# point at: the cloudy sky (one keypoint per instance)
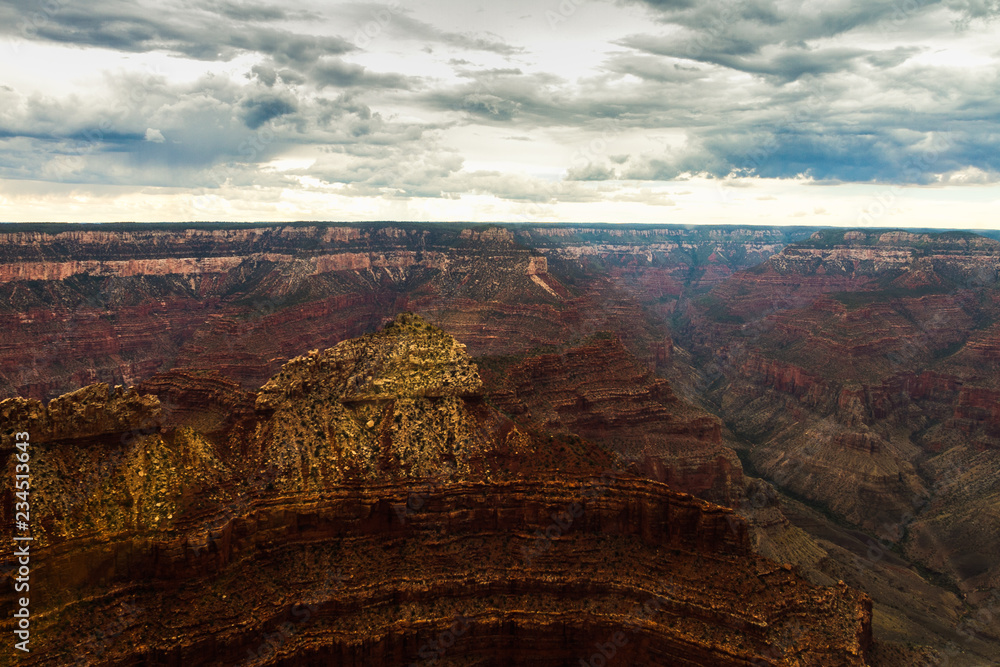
(825, 112)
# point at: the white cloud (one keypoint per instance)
(477, 111)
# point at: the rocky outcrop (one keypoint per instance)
(880, 267)
(599, 392)
(374, 509)
(121, 308)
(497, 235)
(97, 410)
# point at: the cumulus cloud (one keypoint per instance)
(592, 171)
(489, 105)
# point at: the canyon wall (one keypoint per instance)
(372, 509)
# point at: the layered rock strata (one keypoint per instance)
(124, 302)
(598, 391)
(855, 372)
(373, 509)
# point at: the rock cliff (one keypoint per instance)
(373, 509)
(122, 303)
(598, 391)
(856, 373)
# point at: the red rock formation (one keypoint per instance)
(334, 546)
(599, 392)
(858, 371)
(786, 378)
(125, 302)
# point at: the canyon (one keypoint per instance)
(372, 508)
(837, 389)
(98, 306)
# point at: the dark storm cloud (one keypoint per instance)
(591, 172)
(718, 31)
(288, 48)
(848, 133)
(836, 127)
(830, 151)
(335, 72)
(971, 10)
(189, 31)
(88, 134)
(749, 25)
(259, 110)
(786, 65)
(485, 104)
(210, 132)
(253, 11)
(265, 74)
